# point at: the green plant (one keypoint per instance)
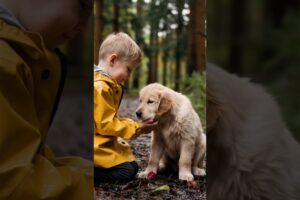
(195, 88)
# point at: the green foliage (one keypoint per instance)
(195, 88)
(283, 64)
(144, 19)
(267, 50)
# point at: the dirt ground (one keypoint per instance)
(144, 189)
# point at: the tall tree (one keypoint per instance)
(196, 56)
(179, 43)
(152, 65)
(237, 35)
(98, 28)
(138, 28)
(165, 57)
(115, 20)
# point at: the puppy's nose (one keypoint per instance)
(138, 114)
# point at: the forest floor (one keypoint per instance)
(139, 189)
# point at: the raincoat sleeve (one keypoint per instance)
(27, 168)
(107, 122)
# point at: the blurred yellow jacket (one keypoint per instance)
(31, 79)
(109, 129)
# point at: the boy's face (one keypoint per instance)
(120, 70)
(58, 20)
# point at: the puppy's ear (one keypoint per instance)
(165, 104)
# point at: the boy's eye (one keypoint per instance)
(150, 102)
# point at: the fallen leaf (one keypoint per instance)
(192, 184)
(163, 188)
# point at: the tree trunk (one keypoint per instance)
(155, 58)
(179, 5)
(139, 40)
(237, 34)
(191, 50)
(115, 20)
(98, 28)
(152, 66)
(201, 34)
(165, 62)
(152, 73)
(196, 56)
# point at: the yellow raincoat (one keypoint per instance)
(30, 78)
(109, 149)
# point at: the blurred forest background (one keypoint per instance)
(260, 39)
(172, 37)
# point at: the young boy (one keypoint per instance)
(31, 80)
(114, 161)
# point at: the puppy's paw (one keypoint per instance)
(186, 176)
(198, 171)
(161, 166)
(148, 174)
(143, 174)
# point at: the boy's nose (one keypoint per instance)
(138, 114)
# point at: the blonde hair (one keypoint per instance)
(122, 45)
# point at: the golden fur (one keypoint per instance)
(179, 137)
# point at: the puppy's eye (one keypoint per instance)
(150, 101)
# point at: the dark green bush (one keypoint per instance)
(195, 88)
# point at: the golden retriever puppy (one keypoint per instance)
(179, 137)
(251, 153)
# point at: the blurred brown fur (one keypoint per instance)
(251, 154)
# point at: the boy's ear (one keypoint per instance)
(112, 59)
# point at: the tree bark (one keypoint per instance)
(165, 62)
(179, 5)
(98, 28)
(115, 20)
(196, 50)
(152, 73)
(237, 34)
(152, 66)
(139, 39)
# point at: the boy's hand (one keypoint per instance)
(148, 126)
